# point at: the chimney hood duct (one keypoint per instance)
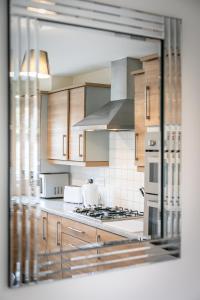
(117, 114)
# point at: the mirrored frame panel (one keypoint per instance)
(114, 118)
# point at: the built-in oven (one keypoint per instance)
(152, 226)
(152, 221)
(171, 193)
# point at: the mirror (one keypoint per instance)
(95, 151)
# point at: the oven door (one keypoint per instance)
(152, 226)
(152, 172)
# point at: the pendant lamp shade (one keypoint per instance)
(43, 65)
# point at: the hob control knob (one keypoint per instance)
(151, 143)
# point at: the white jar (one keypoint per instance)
(90, 193)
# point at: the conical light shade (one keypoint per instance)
(43, 68)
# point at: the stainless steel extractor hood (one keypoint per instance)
(118, 114)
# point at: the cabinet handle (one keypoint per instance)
(147, 102)
(98, 241)
(58, 234)
(79, 145)
(136, 138)
(76, 230)
(64, 145)
(98, 238)
(44, 228)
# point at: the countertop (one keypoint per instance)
(131, 229)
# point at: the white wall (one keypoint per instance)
(98, 76)
(179, 280)
(119, 183)
(56, 82)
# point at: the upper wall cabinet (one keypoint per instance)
(77, 113)
(139, 83)
(147, 103)
(58, 115)
(151, 66)
(68, 144)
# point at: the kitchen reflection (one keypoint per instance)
(99, 155)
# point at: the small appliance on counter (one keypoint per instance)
(52, 185)
(73, 194)
(90, 193)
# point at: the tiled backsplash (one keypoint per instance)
(120, 182)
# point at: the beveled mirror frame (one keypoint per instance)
(98, 15)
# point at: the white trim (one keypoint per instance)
(95, 15)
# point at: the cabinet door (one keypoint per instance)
(58, 109)
(104, 257)
(117, 256)
(54, 246)
(139, 97)
(42, 242)
(72, 266)
(79, 230)
(77, 113)
(152, 92)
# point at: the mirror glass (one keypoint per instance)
(87, 157)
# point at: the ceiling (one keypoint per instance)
(75, 50)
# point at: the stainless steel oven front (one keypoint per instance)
(152, 223)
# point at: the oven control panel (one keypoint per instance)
(152, 141)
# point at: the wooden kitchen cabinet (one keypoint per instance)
(48, 245)
(147, 103)
(28, 229)
(54, 245)
(106, 254)
(64, 242)
(58, 111)
(139, 84)
(76, 136)
(117, 255)
(79, 230)
(42, 230)
(74, 236)
(42, 237)
(70, 145)
(70, 243)
(151, 66)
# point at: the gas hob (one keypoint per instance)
(108, 213)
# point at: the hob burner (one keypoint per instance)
(108, 213)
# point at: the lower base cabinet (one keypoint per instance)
(108, 254)
(54, 246)
(117, 256)
(76, 235)
(67, 256)
(75, 260)
(64, 247)
(42, 243)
